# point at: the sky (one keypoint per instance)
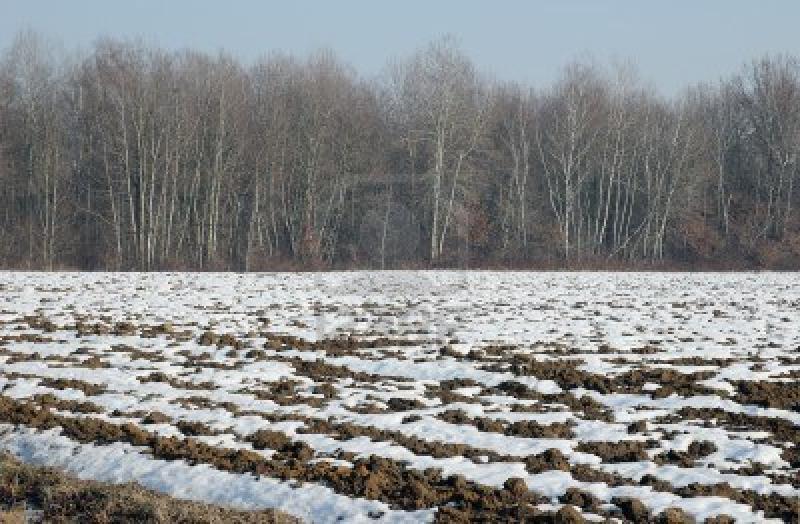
(673, 43)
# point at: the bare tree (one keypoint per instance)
(132, 157)
(445, 100)
(569, 131)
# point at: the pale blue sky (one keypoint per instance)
(674, 43)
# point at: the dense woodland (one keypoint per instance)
(130, 157)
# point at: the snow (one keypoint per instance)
(735, 316)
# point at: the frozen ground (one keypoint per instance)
(411, 396)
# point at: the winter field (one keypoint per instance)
(415, 396)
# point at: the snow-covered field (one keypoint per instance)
(411, 396)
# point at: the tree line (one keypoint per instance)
(131, 157)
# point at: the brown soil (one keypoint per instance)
(632, 509)
(622, 451)
(566, 375)
(198, 402)
(674, 516)
(782, 395)
(286, 447)
(694, 361)
(686, 459)
(51, 401)
(138, 354)
(319, 370)
(26, 337)
(334, 347)
(522, 428)
(156, 417)
(209, 338)
(444, 392)
(283, 394)
(87, 388)
(326, 389)
(523, 513)
(92, 362)
(194, 429)
(586, 405)
(404, 404)
(205, 360)
(581, 499)
(158, 376)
